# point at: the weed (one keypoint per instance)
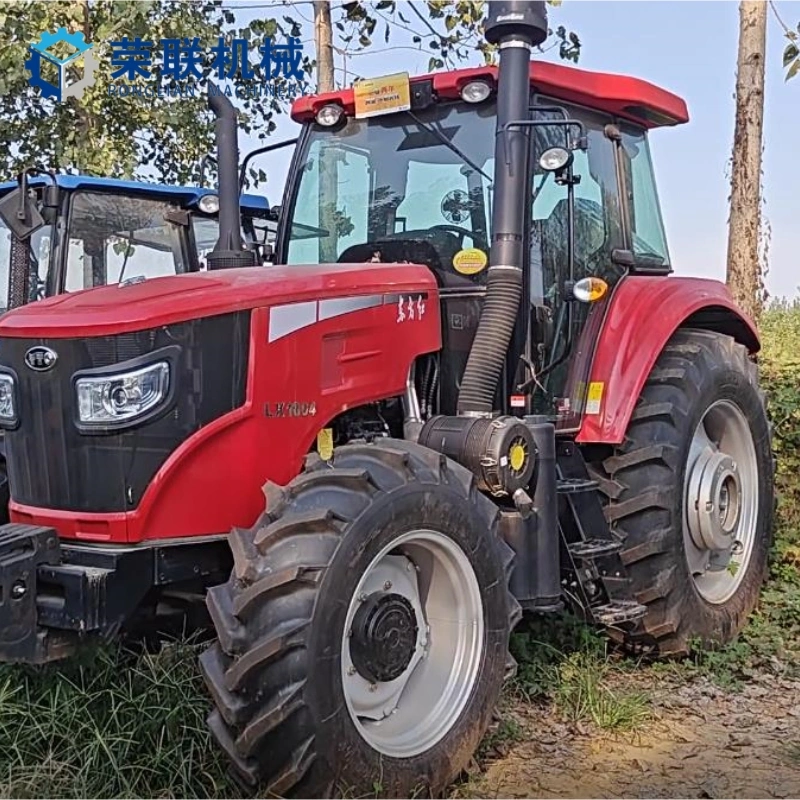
(583, 695)
(503, 735)
(109, 724)
(539, 644)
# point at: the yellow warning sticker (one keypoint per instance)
(594, 397)
(325, 444)
(470, 261)
(383, 95)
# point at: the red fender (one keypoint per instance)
(643, 314)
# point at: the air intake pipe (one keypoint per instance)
(228, 252)
(516, 26)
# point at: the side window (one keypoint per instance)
(332, 204)
(206, 233)
(115, 237)
(646, 223)
(41, 242)
(39, 253)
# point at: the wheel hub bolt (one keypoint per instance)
(387, 586)
(351, 670)
(18, 590)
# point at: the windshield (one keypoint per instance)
(392, 189)
(36, 251)
(118, 237)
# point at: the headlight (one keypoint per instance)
(8, 409)
(106, 400)
(209, 203)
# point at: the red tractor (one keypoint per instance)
(469, 388)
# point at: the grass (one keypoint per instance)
(115, 724)
(564, 662)
(582, 694)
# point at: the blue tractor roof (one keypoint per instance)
(184, 195)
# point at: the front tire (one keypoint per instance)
(690, 492)
(363, 634)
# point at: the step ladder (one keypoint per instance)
(595, 578)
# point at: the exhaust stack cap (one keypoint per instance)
(521, 18)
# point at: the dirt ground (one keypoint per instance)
(700, 742)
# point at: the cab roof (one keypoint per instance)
(184, 195)
(629, 98)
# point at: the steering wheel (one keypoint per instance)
(462, 233)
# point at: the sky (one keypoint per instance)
(688, 47)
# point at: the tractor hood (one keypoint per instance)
(155, 302)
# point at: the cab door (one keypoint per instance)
(557, 348)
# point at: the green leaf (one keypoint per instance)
(793, 69)
(790, 54)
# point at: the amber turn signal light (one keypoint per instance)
(590, 290)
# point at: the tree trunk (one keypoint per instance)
(744, 276)
(323, 41)
(328, 166)
(81, 155)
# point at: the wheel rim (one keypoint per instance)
(412, 644)
(721, 502)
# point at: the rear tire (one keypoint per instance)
(703, 386)
(280, 673)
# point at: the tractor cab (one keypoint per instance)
(414, 182)
(75, 232)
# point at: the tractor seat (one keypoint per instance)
(393, 251)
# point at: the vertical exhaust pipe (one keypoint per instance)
(228, 252)
(516, 26)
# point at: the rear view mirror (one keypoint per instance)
(20, 214)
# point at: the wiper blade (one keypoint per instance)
(447, 143)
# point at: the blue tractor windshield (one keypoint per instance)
(119, 230)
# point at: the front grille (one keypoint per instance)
(51, 464)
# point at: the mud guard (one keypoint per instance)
(642, 315)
